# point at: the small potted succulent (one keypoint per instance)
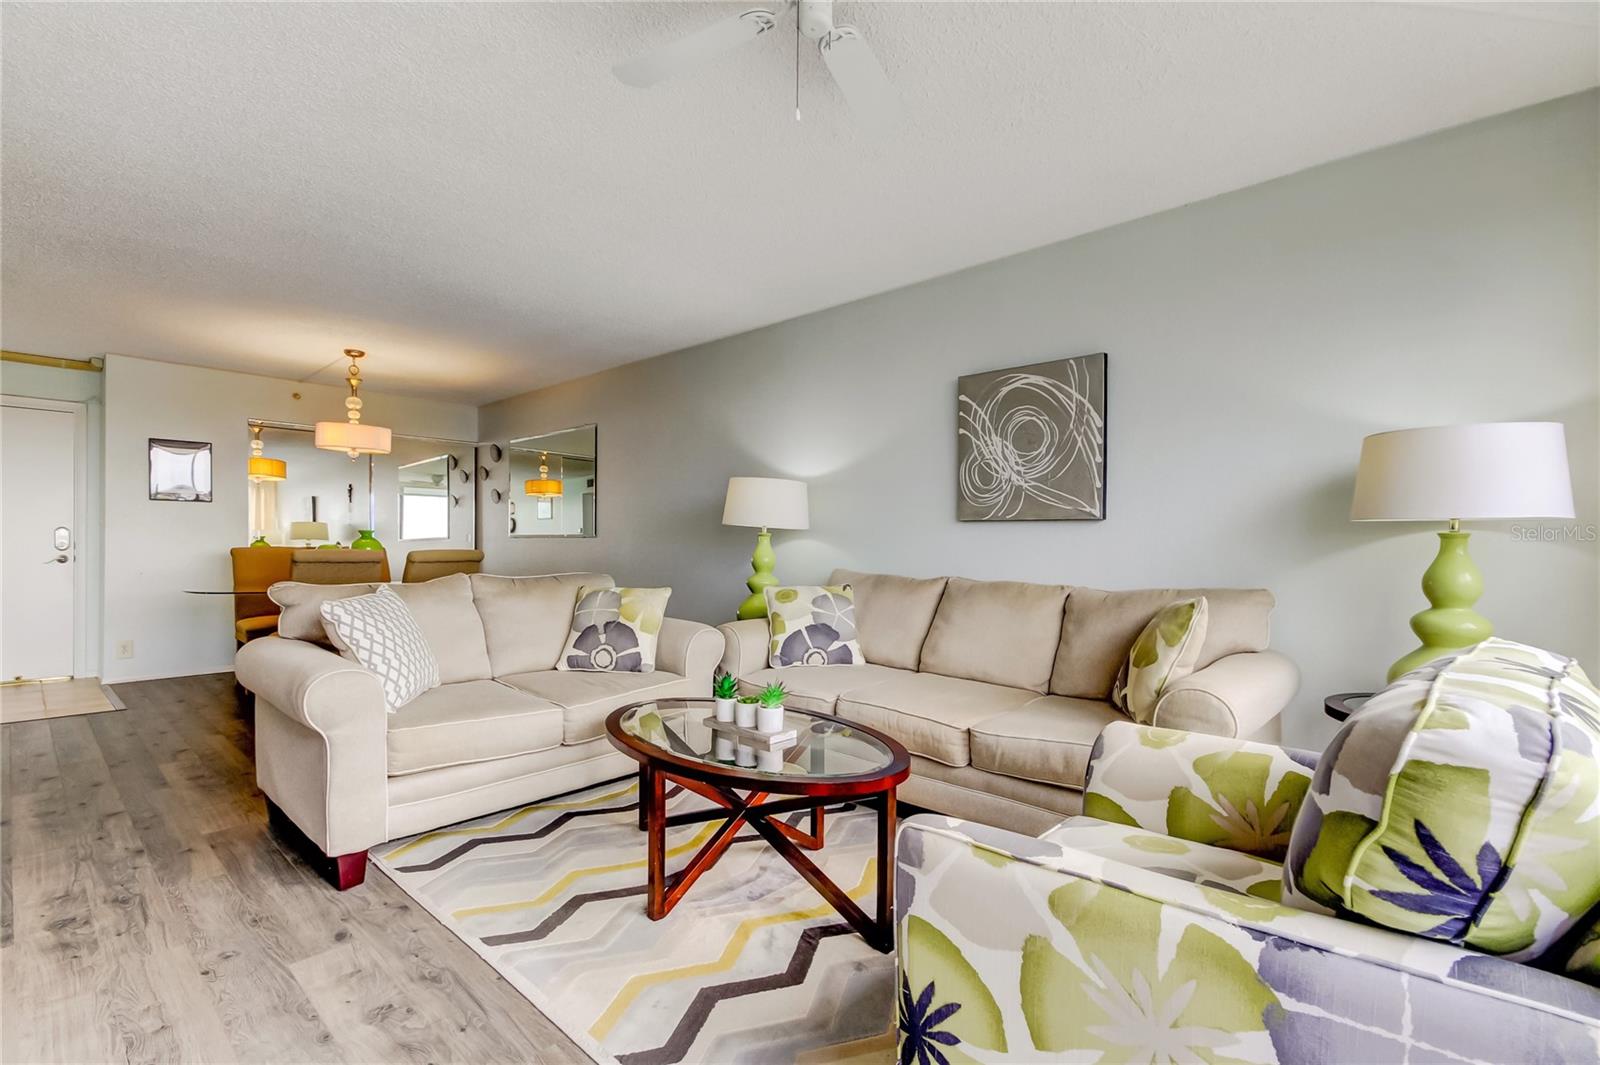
(725, 689)
(744, 711)
(769, 715)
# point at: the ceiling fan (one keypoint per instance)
(855, 69)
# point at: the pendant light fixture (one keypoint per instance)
(351, 436)
(262, 468)
(544, 486)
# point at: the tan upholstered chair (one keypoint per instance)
(426, 565)
(255, 569)
(321, 565)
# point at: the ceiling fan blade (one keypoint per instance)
(866, 88)
(689, 52)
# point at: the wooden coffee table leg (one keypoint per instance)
(655, 799)
(887, 816)
(645, 773)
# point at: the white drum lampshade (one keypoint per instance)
(766, 503)
(1494, 470)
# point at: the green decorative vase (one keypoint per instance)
(366, 541)
(260, 541)
(762, 562)
(1452, 585)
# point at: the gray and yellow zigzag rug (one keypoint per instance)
(752, 965)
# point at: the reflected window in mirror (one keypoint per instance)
(552, 484)
(425, 499)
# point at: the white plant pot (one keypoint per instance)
(744, 715)
(746, 755)
(725, 709)
(769, 718)
(722, 749)
(769, 761)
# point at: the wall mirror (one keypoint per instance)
(408, 498)
(180, 470)
(551, 484)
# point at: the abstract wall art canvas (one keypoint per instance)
(1031, 442)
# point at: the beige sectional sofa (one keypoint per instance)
(504, 727)
(999, 688)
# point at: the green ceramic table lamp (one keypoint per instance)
(1455, 473)
(764, 503)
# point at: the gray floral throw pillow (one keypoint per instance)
(813, 625)
(614, 630)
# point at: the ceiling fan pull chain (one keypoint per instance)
(797, 66)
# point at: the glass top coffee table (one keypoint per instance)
(830, 761)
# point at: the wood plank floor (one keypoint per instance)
(149, 916)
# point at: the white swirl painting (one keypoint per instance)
(1031, 442)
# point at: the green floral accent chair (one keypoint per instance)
(1150, 929)
(1462, 804)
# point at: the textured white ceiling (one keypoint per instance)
(467, 192)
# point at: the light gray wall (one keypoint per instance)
(1254, 339)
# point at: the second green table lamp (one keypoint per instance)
(1455, 473)
(764, 503)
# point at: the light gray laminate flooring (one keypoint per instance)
(149, 916)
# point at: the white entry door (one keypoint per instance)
(38, 543)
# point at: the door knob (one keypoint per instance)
(58, 558)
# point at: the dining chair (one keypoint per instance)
(314, 565)
(255, 569)
(426, 565)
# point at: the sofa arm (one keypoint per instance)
(1234, 696)
(747, 646)
(690, 649)
(1013, 948)
(1207, 789)
(321, 741)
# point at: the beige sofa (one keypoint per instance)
(504, 727)
(999, 688)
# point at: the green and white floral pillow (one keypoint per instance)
(1166, 651)
(812, 625)
(614, 630)
(1461, 803)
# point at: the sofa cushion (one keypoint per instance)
(526, 619)
(1198, 863)
(300, 607)
(1098, 629)
(1047, 739)
(892, 614)
(449, 621)
(930, 713)
(586, 698)
(817, 688)
(1002, 632)
(471, 721)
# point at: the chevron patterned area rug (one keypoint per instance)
(751, 966)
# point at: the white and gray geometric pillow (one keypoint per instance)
(379, 632)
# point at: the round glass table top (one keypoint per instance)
(824, 747)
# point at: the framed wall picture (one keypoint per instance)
(1031, 442)
(180, 471)
(544, 509)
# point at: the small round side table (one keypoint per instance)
(1341, 706)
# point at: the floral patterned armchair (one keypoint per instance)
(1150, 930)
